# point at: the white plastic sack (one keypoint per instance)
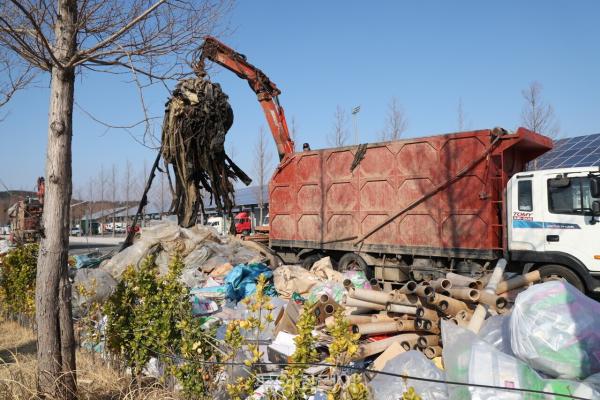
(97, 283)
(162, 232)
(471, 360)
(556, 329)
(197, 257)
(412, 363)
(133, 255)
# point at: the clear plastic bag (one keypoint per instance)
(412, 363)
(471, 360)
(555, 328)
(98, 285)
(132, 255)
(496, 331)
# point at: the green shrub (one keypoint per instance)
(17, 281)
(151, 316)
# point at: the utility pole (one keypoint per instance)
(355, 111)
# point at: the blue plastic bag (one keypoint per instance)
(241, 280)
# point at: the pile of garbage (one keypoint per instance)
(208, 258)
(523, 340)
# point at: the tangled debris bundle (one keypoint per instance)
(197, 117)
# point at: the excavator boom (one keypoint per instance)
(266, 91)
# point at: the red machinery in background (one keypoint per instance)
(26, 216)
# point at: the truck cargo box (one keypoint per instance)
(430, 196)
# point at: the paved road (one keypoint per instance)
(82, 245)
(85, 244)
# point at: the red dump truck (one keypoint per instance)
(418, 208)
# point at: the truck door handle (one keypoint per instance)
(552, 238)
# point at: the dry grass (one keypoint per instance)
(96, 380)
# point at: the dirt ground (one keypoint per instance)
(96, 380)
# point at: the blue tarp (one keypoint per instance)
(241, 280)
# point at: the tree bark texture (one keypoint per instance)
(56, 346)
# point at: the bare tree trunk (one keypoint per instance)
(114, 199)
(55, 337)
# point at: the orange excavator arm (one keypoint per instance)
(266, 91)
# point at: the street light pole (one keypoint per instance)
(355, 111)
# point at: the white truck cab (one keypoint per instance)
(553, 224)
(218, 223)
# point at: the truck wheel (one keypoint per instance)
(308, 262)
(354, 262)
(558, 272)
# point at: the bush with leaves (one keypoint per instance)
(17, 281)
(242, 337)
(151, 316)
(341, 351)
(295, 386)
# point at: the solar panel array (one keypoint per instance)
(580, 151)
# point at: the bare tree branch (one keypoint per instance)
(460, 115)
(395, 122)
(12, 83)
(262, 168)
(537, 115)
(85, 54)
(339, 132)
(40, 35)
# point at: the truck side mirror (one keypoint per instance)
(596, 208)
(595, 187)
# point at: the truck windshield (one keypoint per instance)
(576, 198)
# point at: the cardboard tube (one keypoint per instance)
(464, 294)
(402, 309)
(424, 291)
(352, 319)
(518, 281)
(428, 340)
(432, 352)
(347, 284)
(481, 310)
(409, 344)
(329, 309)
(427, 313)
(351, 302)
(440, 284)
(408, 325)
(492, 300)
(368, 349)
(375, 284)
(464, 315)
(461, 280)
(371, 296)
(324, 298)
(408, 288)
(406, 299)
(448, 305)
(383, 316)
(373, 328)
(427, 325)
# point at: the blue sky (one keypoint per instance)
(321, 54)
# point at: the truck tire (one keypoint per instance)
(354, 262)
(553, 272)
(308, 262)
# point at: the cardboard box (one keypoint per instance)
(288, 318)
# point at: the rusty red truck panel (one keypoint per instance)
(434, 196)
